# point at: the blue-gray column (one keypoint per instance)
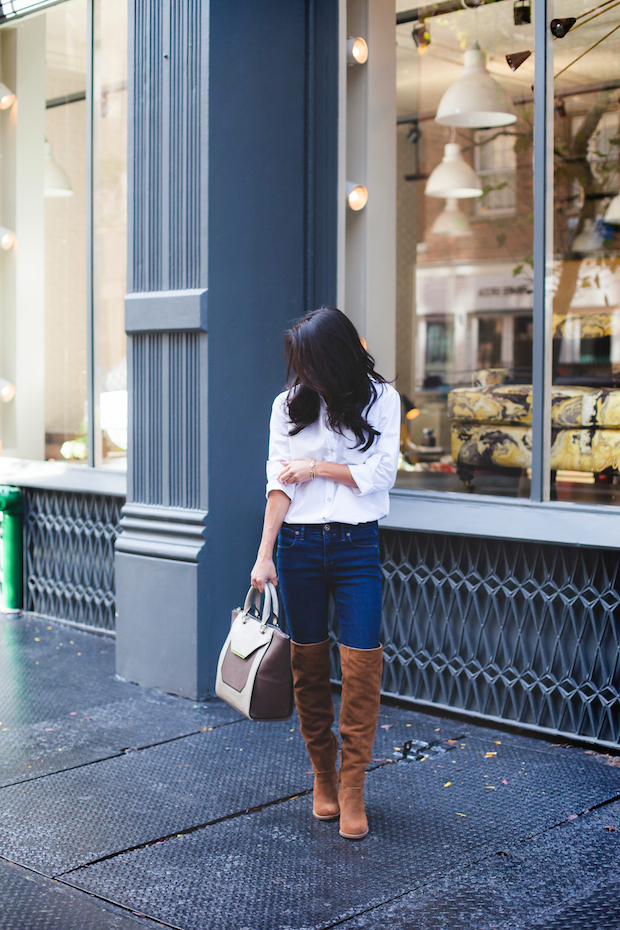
(232, 234)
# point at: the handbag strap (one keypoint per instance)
(270, 603)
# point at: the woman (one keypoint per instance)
(333, 454)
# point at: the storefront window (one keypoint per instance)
(585, 412)
(64, 203)
(464, 252)
(47, 294)
(110, 230)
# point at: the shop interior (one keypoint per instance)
(464, 81)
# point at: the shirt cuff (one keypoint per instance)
(362, 475)
(274, 485)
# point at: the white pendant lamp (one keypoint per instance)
(56, 182)
(476, 100)
(589, 239)
(612, 214)
(451, 222)
(453, 177)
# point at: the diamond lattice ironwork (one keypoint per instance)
(522, 631)
(69, 554)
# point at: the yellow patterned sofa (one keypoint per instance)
(491, 428)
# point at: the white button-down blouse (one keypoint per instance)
(374, 471)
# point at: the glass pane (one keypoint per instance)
(110, 232)
(65, 232)
(43, 259)
(585, 453)
(464, 254)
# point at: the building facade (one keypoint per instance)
(180, 181)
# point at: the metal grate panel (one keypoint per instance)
(69, 556)
(526, 632)
(298, 873)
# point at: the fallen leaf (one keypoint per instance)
(387, 726)
(437, 729)
(447, 784)
(488, 755)
(498, 742)
(49, 628)
(37, 640)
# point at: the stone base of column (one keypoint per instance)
(160, 594)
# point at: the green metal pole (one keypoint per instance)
(12, 549)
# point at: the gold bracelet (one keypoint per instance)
(312, 469)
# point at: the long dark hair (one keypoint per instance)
(325, 357)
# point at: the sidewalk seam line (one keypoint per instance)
(84, 891)
(185, 832)
(115, 755)
(474, 862)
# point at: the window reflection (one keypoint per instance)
(585, 453)
(464, 263)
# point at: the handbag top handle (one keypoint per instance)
(270, 603)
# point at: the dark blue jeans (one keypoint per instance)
(342, 558)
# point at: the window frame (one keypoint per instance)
(525, 519)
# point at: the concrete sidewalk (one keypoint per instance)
(121, 808)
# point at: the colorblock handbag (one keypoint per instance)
(254, 668)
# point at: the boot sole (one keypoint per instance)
(326, 816)
(353, 836)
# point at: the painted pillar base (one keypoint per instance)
(160, 585)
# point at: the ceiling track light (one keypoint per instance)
(475, 100)
(561, 27)
(357, 196)
(516, 59)
(421, 36)
(357, 51)
(522, 12)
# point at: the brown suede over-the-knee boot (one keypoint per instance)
(359, 711)
(313, 699)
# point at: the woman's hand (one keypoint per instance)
(295, 472)
(264, 570)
